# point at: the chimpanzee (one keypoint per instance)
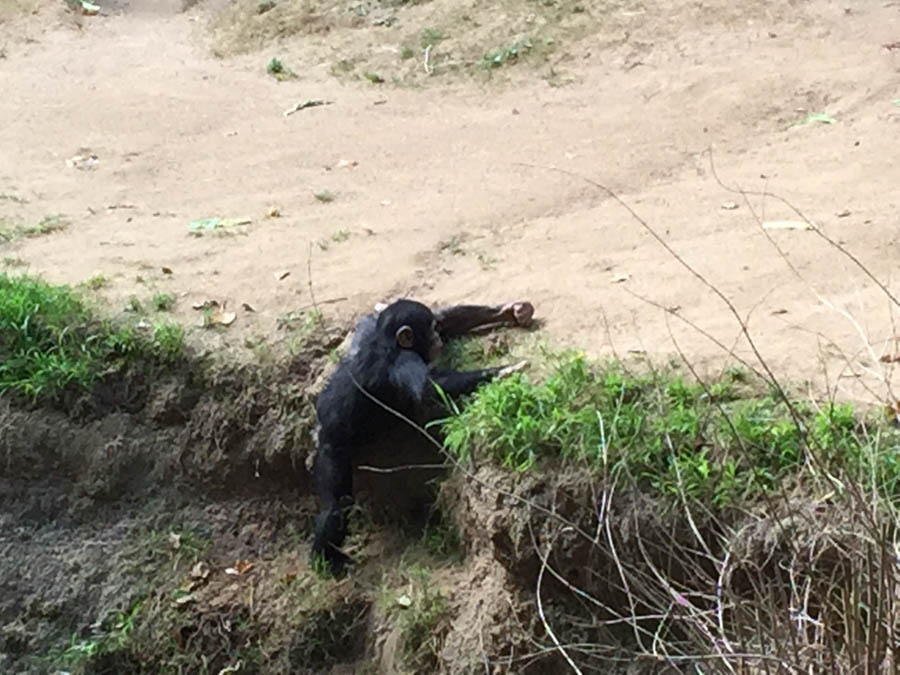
(389, 358)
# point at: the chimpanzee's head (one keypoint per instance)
(410, 325)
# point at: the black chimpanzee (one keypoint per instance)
(389, 358)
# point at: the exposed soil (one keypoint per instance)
(443, 189)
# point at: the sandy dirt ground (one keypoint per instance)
(441, 203)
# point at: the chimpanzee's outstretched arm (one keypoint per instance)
(459, 383)
(460, 319)
(333, 476)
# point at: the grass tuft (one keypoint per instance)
(724, 443)
(50, 341)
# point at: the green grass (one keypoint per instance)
(419, 623)
(279, 71)
(505, 55)
(96, 282)
(724, 445)
(50, 341)
(10, 231)
(163, 302)
(108, 637)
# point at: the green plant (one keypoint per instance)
(325, 196)
(163, 302)
(505, 55)
(96, 282)
(419, 623)
(51, 341)
(278, 70)
(675, 437)
(47, 225)
(431, 37)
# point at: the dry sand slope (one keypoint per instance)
(439, 204)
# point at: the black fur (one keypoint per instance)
(397, 377)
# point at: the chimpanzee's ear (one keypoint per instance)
(405, 337)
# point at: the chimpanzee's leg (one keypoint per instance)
(333, 475)
(460, 319)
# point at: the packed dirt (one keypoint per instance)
(430, 195)
(447, 181)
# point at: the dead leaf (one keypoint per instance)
(779, 311)
(240, 567)
(166, 270)
(184, 599)
(620, 279)
(890, 358)
(206, 304)
(280, 276)
(346, 164)
(404, 601)
(844, 213)
(200, 570)
(273, 212)
(247, 307)
(730, 206)
(175, 540)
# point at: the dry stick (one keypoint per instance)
(540, 605)
(402, 467)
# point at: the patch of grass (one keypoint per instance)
(279, 71)
(505, 55)
(163, 302)
(325, 196)
(12, 261)
(96, 282)
(134, 305)
(15, 199)
(303, 323)
(48, 225)
(336, 237)
(671, 435)
(431, 37)
(407, 52)
(452, 246)
(419, 623)
(108, 637)
(50, 341)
